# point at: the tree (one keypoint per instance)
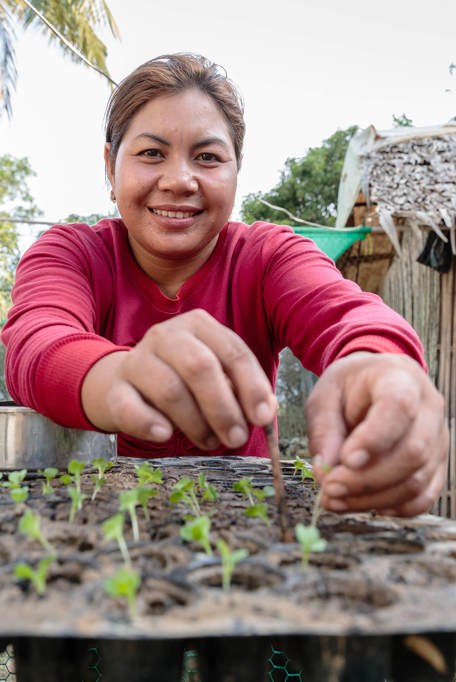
(308, 186)
(402, 121)
(70, 23)
(17, 203)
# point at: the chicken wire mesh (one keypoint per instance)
(282, 668)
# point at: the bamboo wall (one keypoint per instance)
(426, 299)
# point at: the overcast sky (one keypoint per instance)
(304, 67)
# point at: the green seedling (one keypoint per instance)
(19, 495)
(128, 499)
(29, 524)
(98, 479)
(75, 468)
(310, 541)
(36, 576)
(124, 583)
(15, 479)
(198, 530)
(300, 465)
(184, 491)
(257, 509)
(147, 474)
(113, 530)
(208, 491)
(77, 498)
(229, 561)
(49, 473)
(143, 498)
(98, 483)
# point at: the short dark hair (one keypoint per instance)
(169, 75)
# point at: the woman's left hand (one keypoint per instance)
(378, 421)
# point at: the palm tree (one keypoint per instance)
(71, 23)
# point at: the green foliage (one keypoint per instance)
(77, 22)
(29, 524)
(113, 530)
(402, 121)
(255, 509)
(98, 479)
(229, 561)
(15, 479)
(19, 495)
(147, 474)
(77, 498)
(36, 576)
(308, 186)
(310, 541)
(208, 491)
(143, 497)
(300, 465)
(197, 530)
(49, 473)
(128, 499)
(184, 491)
(125, 583)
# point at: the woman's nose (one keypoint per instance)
(177, 177)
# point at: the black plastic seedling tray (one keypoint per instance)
(378, 604)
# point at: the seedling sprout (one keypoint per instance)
(229, 561)
(113, 530)
(198, 530)
(29, 524)
(124, 583)
(207, 489)
(49, 473)
(15, 479)
(128, 499)
(147, 474)
(77, 498)
(300, 465)
(36, 576)
(19, 495)
(310, 541)
(143, 497)
(184, 491)
(257, 509)
(98, 479)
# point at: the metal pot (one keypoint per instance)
(30, 441)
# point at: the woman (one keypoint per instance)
(165, 325)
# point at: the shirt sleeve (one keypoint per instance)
(52, 334)
(320, 315)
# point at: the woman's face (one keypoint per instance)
(174, 178)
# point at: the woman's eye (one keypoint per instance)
(208, 156)
(151, 153)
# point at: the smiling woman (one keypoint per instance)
(166, 325)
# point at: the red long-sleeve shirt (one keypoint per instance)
(80, 295)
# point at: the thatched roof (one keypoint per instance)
(408, 173)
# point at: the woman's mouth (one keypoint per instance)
(174, 214)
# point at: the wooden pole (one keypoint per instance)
(280, 496)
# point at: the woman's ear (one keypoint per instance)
(109, 163)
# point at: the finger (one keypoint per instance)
(385, 422)
(250, 383)
(326, 428)
(170, 394)
(423, 502)
(392, 497)
(134, 416)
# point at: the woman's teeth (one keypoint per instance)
(174, 214)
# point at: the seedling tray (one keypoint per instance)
(369, 606)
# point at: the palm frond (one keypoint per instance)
(71, 24)
(8, 72)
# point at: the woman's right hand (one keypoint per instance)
(189, 372)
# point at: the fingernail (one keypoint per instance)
(337, 505)
(264, 412)
(357, 459)
(160, 433)
(237, 436)
(336, 490)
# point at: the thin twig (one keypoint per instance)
(287, 535)
(66, 42)
(290, 215)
